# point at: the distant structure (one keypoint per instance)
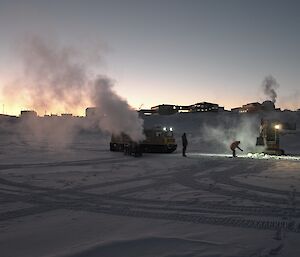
(5, 117)
(204, 107)
(266, 106)
(165, 109)
(28, 114)
(170, 109)
(94, 113)
(146, 112)
(236, 110)
(183, 108)
(6, 122)
(251, 108)
(91, 112)
(67, 115)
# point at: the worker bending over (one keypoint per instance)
(233, 146)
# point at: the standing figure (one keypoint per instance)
(233, 146)
(184, 144)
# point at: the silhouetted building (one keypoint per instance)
(94, 113)
(169, 109)
(146, 112)
(5, 117)
(255, 107)
(164, 109)
(204, 107)
(268, 106)
(28, 114)
(183, 108)
(66, 115)
(236, 110)
(91, 111)
(251, 107)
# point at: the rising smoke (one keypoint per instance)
(114, 113)
(52, 77)
(209, 132)
(56, 78)
(223, 134)
(269, 86)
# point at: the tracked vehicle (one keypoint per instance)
(157, 140)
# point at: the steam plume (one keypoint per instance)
(221, 135)
(56, 78)
(269, 87)
(53, 78)
(114, 113)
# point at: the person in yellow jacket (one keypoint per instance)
(233, 146)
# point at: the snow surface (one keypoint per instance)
(84, 200)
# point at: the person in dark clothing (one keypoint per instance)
(184, 144)
(233, 146)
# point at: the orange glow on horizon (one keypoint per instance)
(14, 103)
(15, 110)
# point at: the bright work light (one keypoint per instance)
(277, 126)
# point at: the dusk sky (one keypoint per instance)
(177, 52)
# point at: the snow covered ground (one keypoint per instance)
(83, 200)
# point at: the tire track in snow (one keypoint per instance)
(236, 189)
(117, 204)
(133, 211)
(65, 163)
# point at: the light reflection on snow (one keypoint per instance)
(274, 157)
(210, 154)
(251, 156)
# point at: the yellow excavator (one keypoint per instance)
(269, 136)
